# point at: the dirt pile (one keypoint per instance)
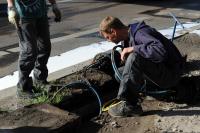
(189, 45)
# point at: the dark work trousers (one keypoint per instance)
(137, 69)
(35, 48)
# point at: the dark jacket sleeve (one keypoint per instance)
(149, 47)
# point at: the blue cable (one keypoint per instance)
(82, 83)
(113, 62)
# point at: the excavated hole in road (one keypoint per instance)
(82, 101)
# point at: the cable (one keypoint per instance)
(84, 84)
(113, 62)
(93, 89)
(119, 76)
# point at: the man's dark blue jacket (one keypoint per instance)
(152, 45)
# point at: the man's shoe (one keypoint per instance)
(26, 94)
(124, 109)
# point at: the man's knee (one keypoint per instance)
(131, 59)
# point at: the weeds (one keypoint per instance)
(50, 96)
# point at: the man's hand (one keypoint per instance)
(126, 52)
(13, 16)
(57, 13)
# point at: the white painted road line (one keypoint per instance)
(13, 49)
(63, 1)
(3, 53)
(168, 32)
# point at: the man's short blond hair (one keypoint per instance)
(110, 22)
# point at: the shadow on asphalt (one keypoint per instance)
(3, 10)
(8, 59)
(72, 12)
(184, 4)
(163, 4)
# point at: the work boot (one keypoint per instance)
(26, 94)
(124, 109)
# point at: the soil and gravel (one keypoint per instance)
(161, 114)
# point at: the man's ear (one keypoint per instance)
(113, 31)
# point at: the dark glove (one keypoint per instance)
(56, 12)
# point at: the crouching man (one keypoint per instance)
(148, 55)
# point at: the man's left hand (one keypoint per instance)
(126, 52)
(57, 13)
(13, 17)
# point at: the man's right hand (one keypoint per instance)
(126, 52)
(13, 16)
(57, 12)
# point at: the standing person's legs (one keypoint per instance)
(43, 53)
(27, 56)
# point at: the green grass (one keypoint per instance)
(53, 97)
